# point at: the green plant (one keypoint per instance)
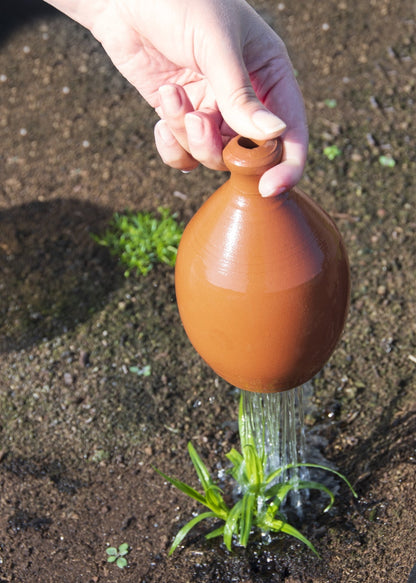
(332, 152)
(331, 103)
(144, 371)
(262, 497)
(118, 556)
(140, 240)
(387, 161)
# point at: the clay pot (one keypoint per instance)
(262, 284)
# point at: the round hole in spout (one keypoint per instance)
(247, 143)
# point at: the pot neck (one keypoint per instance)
(247, 161)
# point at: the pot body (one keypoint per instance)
(262, 286)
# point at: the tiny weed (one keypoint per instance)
(331, 103)
(118, 556)
(332, 152)
(262, 496)
(144, 371)
(387, 161)
(140, 240)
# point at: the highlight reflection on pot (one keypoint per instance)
(262, 284)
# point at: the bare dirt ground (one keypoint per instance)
(79, 432)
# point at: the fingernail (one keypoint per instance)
(270, 190)
(268, 123)
(194, 127)
(165, 134)
(170, 100)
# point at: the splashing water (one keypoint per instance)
(277, 424)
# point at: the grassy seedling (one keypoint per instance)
(118, 556)
(140, 239)
(262, 498)
(332, 152)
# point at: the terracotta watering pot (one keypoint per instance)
(262, 284)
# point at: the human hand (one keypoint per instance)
(210, 68)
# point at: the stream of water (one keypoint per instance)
(277, 423)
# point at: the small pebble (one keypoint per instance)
(325, 26)
(68, 378)
(85, 144)
(23, 131)
(3, 78)
(84, 358)
(65, 90)
(26, 49)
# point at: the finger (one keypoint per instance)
(174, 105)
(287, 174)
(204, 139)
(170, 150)
(237, 99)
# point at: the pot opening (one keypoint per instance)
(247, 143)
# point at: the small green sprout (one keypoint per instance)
(118, 556)
(262, 496)
(144, 371)
(387, 161)
(332, 152)
(140, 240)
(331, 103)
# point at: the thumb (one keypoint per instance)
(238, 102)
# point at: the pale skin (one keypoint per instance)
(211, 69)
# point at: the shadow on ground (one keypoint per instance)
(53, 275)
(14, 13)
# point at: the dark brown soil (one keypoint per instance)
(79, 432)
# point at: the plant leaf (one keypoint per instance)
(254, 465)
(201, 469)
(121, 562)
(292, 531)
(231, 524)
(280, 491)
(184, 488)
(188, 526)
(111, 559)
(217, 532)
(123, 549)
(238, 470)
(303, 484)
(112, 551)
(326, 469)
(281, 526)
(246, 521)
(273, 475)
(216, 502)
(246, 435)
(235, 457)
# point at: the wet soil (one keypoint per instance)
(79, 432)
